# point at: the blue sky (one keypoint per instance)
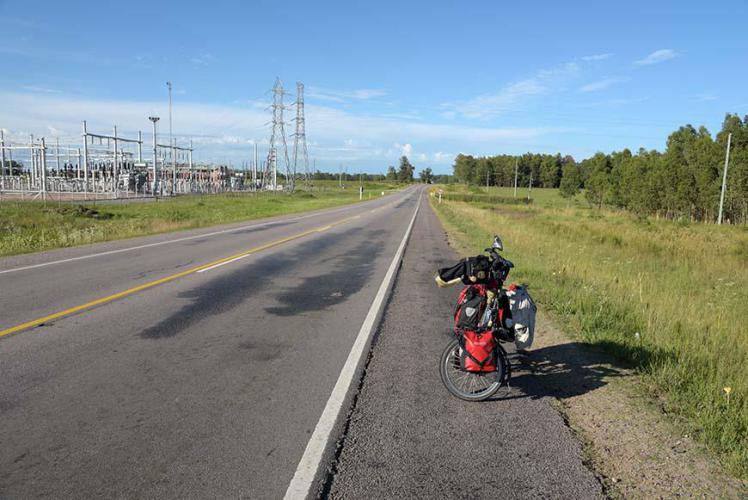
(428, 79)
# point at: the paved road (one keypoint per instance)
(206, 386)
(408, 438)
(211, 385)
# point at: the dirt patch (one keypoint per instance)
(629, 442)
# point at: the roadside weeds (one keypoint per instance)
(627, 439)
(630, 444)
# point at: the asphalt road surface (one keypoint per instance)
(202, 361)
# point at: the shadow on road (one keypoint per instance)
(349, 266)
(561, 371)
(228, 290)
(348, 274)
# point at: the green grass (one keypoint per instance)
(537, 196)
(35, 226)
(668, 298)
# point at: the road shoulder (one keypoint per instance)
(408, 437)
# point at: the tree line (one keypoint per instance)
(683, 182)
(402, 174)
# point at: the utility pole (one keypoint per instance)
(254, 170)
(488, 171)
(724, 179)
(85, 160)
(156, 184)
(189, 163)
(57, 155)
(516, 171)
(115, 166)
(173, 149)
(34, 161)
(43, 154)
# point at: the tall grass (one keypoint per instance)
(34, 226)
(670, 299)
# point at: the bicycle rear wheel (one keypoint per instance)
(469, 386)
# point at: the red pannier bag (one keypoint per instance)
(478, 351)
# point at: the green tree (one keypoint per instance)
(736, 194)
(464, 168)
(426, 175)
(597, 184)
(550, 171)
(391, 173)
(571, 181)
(405, 174)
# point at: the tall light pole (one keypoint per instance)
(154, 119)
(173, 151)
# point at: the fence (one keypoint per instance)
(106, 166)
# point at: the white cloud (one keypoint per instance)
(368, 93)
(202, 58)
(344, 95)
(441, 157)
(597, 57)
(41, 89)
(221, 131)
(513, 95)
(405, 149)
(657, 56)
(627, 100)
(600, 85)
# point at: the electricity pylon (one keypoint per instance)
(270, 174)
(299, 138)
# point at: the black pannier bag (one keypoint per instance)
(470, 307)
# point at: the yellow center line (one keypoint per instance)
(160, 281)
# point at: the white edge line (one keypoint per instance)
(306, 471)
(178, 240)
